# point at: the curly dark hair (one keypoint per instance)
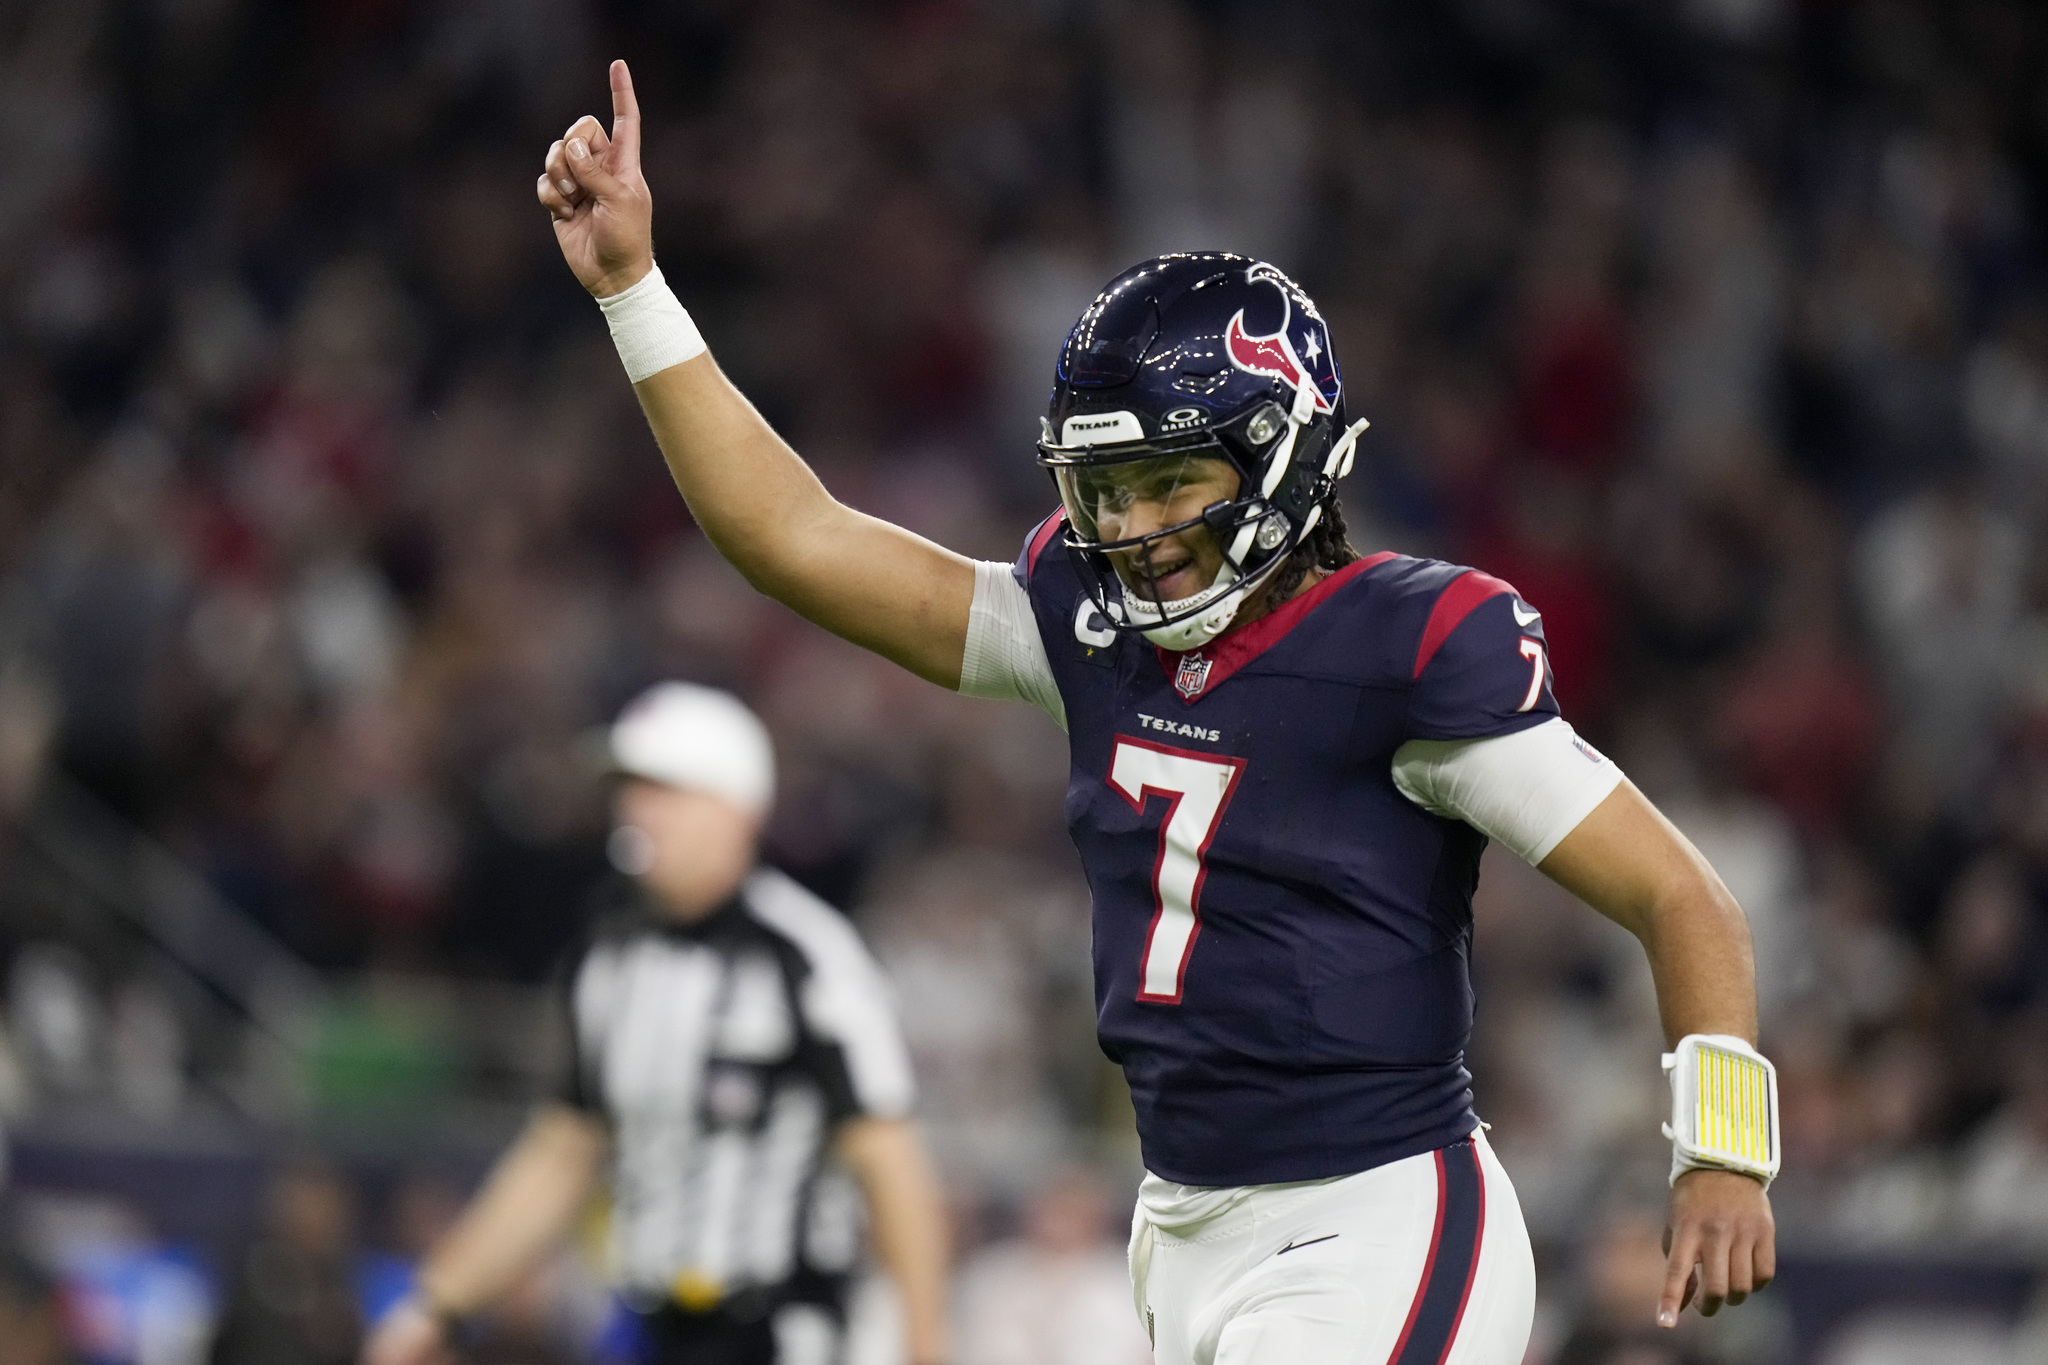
(1328, 547)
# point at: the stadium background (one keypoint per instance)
(328, 527)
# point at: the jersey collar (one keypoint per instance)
(1195, 672)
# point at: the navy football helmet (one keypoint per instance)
(1179, 362)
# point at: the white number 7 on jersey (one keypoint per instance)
(1199, 788)
(1532, 650)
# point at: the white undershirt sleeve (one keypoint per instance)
(1005, 657)
(1526, 790)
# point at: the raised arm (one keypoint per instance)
(875, 584)
(1632, 865)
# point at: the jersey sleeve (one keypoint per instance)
(1481, 667)
(1526, 790)
(1005, 657)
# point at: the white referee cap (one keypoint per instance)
(685, 735)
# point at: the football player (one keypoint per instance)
(1286, 761)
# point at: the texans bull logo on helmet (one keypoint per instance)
(1275, 355)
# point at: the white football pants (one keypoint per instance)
(1424, 1261)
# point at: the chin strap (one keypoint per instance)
(1201, 625)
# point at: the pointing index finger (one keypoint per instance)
(625, 115)
(1677, 1272)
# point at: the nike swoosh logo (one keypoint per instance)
(1526, 616)
(1296, 1246)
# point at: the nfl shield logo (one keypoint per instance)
(1192, 676)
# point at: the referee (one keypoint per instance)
(730, 1037)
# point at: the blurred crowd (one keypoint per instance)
(329, 527)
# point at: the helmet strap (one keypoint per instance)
(1344, 450)
(1298, 418)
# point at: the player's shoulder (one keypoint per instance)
(1455, 605)
(1411, 606)
(1391, 580)
(1041, 557)
(1475, 656)
(1063, 598)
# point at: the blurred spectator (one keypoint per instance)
(1897, 1189)
(1988, 950)
(105, 587)
(946, 932)
(1714, 315)
(1819, 1128)
(2003, 1190)
(292, 1299)
(1866, 967)
(56, 1018)
(1941, 575)
(127, 1297)
(27, 721)
(1058, 1295)
(1753, 847)
(1542, 537)
(1800, 720)
(2005, 401)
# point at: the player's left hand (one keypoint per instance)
(591, 185)
(1720, 1243)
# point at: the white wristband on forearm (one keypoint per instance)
(650, 327)
(1724, 1107)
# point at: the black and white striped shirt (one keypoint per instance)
(723, 1054)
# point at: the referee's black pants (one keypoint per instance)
(677, 1338)
(673, 1337)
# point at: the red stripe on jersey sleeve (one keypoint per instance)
(1453, 605)
(1042, 537)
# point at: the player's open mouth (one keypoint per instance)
(1167, 579)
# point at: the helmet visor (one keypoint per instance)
(1108, 503)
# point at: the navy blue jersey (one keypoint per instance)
(1281, 938)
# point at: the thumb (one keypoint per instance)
(589, 171)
